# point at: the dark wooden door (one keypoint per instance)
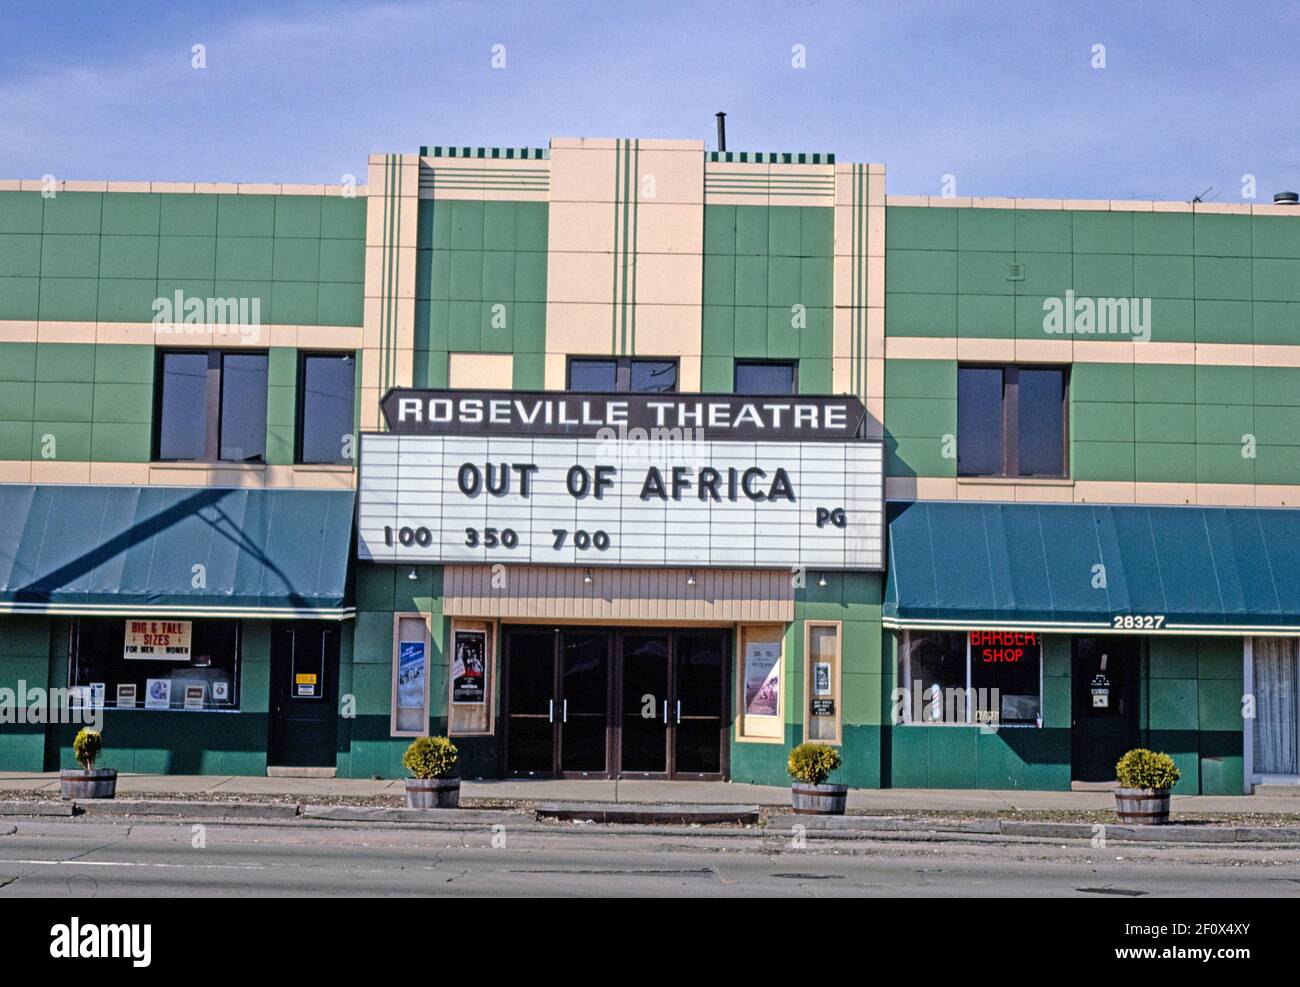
(304, 694)
(1105, 708)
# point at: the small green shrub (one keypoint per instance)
(430, 757)
(812, 764)
(86, 747)
(1141, 768)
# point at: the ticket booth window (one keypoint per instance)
(822, 687)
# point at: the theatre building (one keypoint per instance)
(624, 458)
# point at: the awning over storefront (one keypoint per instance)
(1093, 568)
(169, 551)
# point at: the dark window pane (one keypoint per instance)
(934, 675)
(325, 415)
(764, 378)
(654, 375)
(1006, 676)
(243, 407)
(1041, 434)
(593, 375)
(182, 423)
(979, 421)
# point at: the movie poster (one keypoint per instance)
(410, 675)
(762, 678)
(469, 668)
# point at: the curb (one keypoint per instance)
(183, 809)
(628, 812)
(865, 825)
(451, 817)
(36, 808)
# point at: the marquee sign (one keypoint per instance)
(627, 479)
(531, 413)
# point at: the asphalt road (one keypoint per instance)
(81, 859)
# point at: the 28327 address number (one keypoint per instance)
(1138, 622)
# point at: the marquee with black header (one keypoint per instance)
(595, 479)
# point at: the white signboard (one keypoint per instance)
(165, 640)
(557, 500)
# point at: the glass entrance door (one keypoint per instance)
(584, 702)
(591, 702)
(530, 700)
(698, 716)
(644, 659)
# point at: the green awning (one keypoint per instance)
(1091, 567)
(170, 551)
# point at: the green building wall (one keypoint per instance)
(760, 262)
(106, 256)
(1211, 278)
(481, 286)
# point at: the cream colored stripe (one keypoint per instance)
(183, 188)
(1096, 205)
(1065, 350)
(177, 474)
(147, 334)
(1093, 492)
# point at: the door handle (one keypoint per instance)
(679, 711)
(550, 711)
(564, 712)
(665, 712)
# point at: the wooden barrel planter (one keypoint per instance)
(1142, 806)
(819, 800)
(98, 783)
(433, 793)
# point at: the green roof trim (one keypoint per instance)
(174, 551)
(500, 153)
(771, 157)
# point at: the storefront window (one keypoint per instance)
(147, 663)
(989, 678)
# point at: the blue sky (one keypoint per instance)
(1002, 96)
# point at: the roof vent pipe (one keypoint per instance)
(722, 131)
(1286, 199)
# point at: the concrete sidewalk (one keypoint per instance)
(890, 800)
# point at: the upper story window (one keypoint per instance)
(766, 377)
(622, 374)
(326, 401)
(1011, 421)
(211, 406)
